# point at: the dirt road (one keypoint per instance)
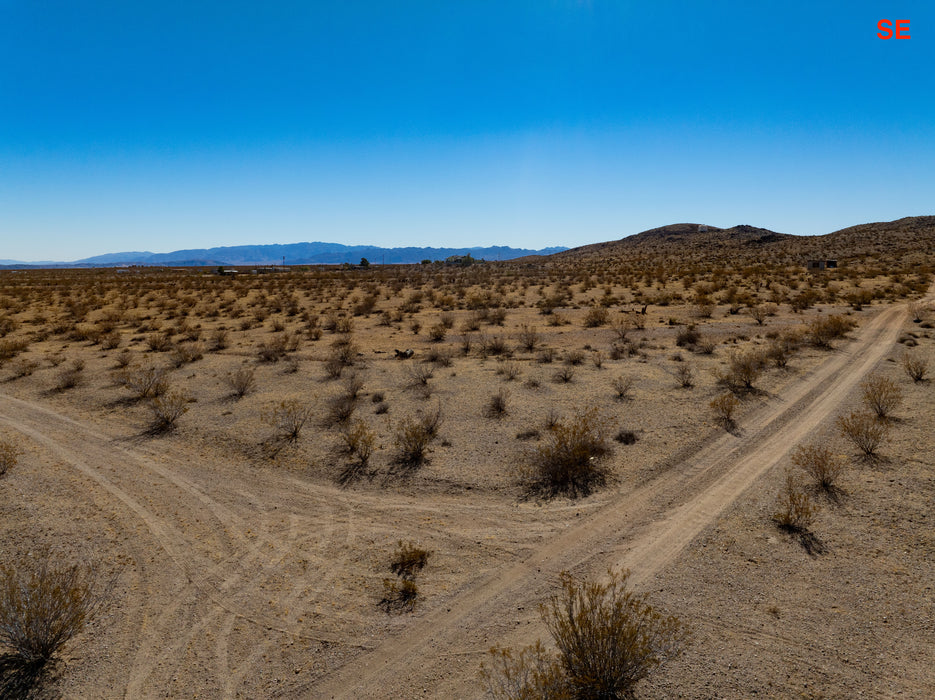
(642, 531)
(238, 566)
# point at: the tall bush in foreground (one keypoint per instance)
(43, 604)
(608, 638)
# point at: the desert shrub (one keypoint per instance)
(685, 376)
(687, 337)
(408, 559)
(358, 441)
(9, 454)
(447, 320)
(415, 326)
(821, 464)
(11, 348)
(186, 352)
(915, 366)
(493, 345)
(241, 381)
(625, 437)
(528, 337)
(167, 409)
(864, 431)
(532, 674)
(570, 460)
(219, 340)
(70, 377)
(111, 340)
(821, 331)
(596, 316)
(413, 437)
(123, 359)
(564, 375)
(340, 409)
(794, 507)
(496, 405)
(145, 382)
(24, 368)
(418, 374)
(623, 387)
(608, 638)
(573, 357)
(401, 594)
(289, 418)
(724, 407)
(881, 395)
(743, 369)
(382, 407)
(43, 604)
(274, 349)
(159, 341)
(437, 333)
(546, 356)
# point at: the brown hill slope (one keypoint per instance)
(901, 244)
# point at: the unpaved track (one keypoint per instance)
(643, 531)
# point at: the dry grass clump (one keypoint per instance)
(864, 431)
(9, 454)
(915, 366)
(43, 605)
(570, 460)
(881, 395)
(608, 638)
(821, 464)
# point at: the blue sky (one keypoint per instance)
(167, 125)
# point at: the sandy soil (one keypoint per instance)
(246, 572)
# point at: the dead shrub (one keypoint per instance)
(44, 604)
(821, 464)
(881, 395)
(915, 366)
(864, 431)
(418, 374)
(570, 460)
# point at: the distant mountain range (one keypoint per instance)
(293, 253)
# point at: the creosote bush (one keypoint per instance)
(43, 604)
(241, 381)
(145, 382)
(915, 366)
(167, 409)
(289, 418)
(794, 507)
(400, 594)
(864, 431)
(608, 638)
(358, 441)
(881, 395)
(821, 464)
(413, 437)
(570, 459)
(724, 407)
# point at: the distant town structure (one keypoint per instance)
(822, 264)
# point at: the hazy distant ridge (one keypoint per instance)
(306, 254)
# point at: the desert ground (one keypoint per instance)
(233, 456)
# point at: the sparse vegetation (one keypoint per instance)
(167, 409)
(569, 460)
(881, 395)
(241, 381)
(289, 418)
(794, 507)
(724, 407)
(821, 464)
(864, 431)
(915, 366)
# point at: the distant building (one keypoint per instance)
(821, 264)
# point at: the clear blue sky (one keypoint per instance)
(166, 125)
